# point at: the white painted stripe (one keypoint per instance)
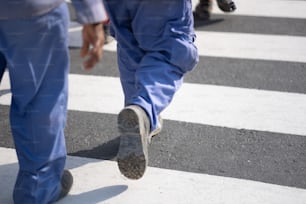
(75, 29)
(247, 46)
(252, 46)
(98, 181)
(240, 108)
(266, 8)
(231, 107)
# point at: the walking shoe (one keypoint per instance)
(134, 127)
(203, 10)
(226, 5)
(66, 182)
(108, 37)
(2, 65)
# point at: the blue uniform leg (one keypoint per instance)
(155, 50)
(38, 64)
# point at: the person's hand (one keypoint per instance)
(93, 41)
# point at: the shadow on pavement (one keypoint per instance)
(8, 173)
(106, 151)
(200, 23)
(95, 196)
(5, 91)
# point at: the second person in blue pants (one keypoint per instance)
(155, 50)
(34, 50)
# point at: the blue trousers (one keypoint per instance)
(155, 49)
(36, 54)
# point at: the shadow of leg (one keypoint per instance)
(95, 196)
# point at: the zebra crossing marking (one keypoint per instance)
(99, 181)
(232, 107)
(251, 46)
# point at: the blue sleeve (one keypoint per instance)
(90, 11)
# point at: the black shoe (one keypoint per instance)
(2, 65)
(226, 5)
(108, 37)
(66, 182)
(203, 10)
(134, 127)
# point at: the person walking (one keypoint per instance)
(204, 8)
(155, 47)
(34, 49)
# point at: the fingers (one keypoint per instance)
(94, 55)
(92, 48)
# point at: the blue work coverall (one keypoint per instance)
(34, 49)
(155, 49)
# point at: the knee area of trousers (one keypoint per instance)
(184, 55)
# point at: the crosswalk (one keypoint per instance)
(234, 134)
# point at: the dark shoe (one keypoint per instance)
(203, 10)
(2, 65)
(226, 5)
(134, 127)
(108, 37)
(66, 182)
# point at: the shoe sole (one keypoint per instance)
(132, 155)
(227, 7)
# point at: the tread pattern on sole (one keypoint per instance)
(133, 149)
